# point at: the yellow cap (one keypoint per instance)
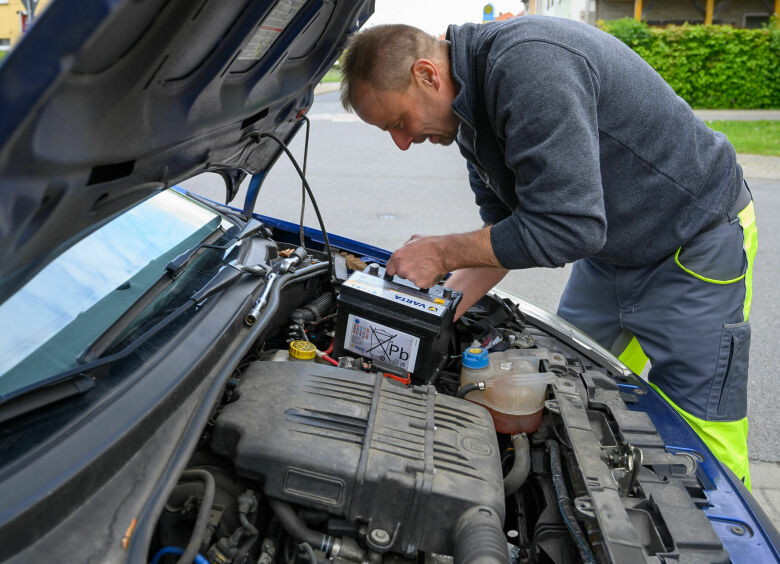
(302, 350)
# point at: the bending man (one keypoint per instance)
(578, 151)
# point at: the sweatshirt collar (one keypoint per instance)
(459, 38)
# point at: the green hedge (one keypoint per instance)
(714, 66)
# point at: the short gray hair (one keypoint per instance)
(382, 56)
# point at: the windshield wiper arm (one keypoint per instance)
(74, 380)
(250, 229)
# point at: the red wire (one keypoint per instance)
(330, 348)
(327, 358)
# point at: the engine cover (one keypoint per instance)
(406, 461)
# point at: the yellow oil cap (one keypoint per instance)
(302, 350)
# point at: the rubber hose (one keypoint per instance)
(318, 308)
(204, 511)
(479, 538)
(564, 504)
(520, 467)
(175, 550)
(463, 391)
(297, 529)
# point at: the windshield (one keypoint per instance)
(72, 301)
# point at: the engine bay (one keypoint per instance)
(367, 425)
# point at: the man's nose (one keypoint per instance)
(402, 140)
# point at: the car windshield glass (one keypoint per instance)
(75, 298)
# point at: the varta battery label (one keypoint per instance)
(378, 287)
(374, 340)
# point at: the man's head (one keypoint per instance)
(397, 78)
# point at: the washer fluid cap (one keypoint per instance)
(302, 350)
(475, 358)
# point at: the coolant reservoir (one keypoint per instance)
(514, 391)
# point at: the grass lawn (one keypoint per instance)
(755, 137)
(333, 75)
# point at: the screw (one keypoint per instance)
(737, 530)
(379, 537)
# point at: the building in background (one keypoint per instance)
(738, 13)
(15, 18)
(489, 13)
(570, 9)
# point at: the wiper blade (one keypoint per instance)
(74, 380)
(37, 397)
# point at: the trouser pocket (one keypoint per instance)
(716, 256)
(728, 395)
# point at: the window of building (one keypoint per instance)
(755, 21)
(5, 44)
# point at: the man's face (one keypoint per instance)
(410, 116)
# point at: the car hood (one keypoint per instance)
(107, 102)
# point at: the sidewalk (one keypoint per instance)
(766, 487)
(738, 115)
(325, 87)
(760, 167)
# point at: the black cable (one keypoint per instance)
(311, 196)
(564, 504)
(204, 512)
(439, 367)
(303, 187)
(560, 437)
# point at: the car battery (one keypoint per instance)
(401, 328)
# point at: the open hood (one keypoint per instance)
(106, 102)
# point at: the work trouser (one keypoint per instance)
(688, 315)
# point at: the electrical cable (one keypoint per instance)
(303, 187)
(286, 149)
(564, 504)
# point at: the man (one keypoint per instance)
(579, 152)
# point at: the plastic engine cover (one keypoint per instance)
(406, 461)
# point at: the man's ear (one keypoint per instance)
(426, 73)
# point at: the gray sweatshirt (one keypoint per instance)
(578, 148)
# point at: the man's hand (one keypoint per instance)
(473, 283)
(424, 260)
(421, 260)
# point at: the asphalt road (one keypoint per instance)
(369, 190)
